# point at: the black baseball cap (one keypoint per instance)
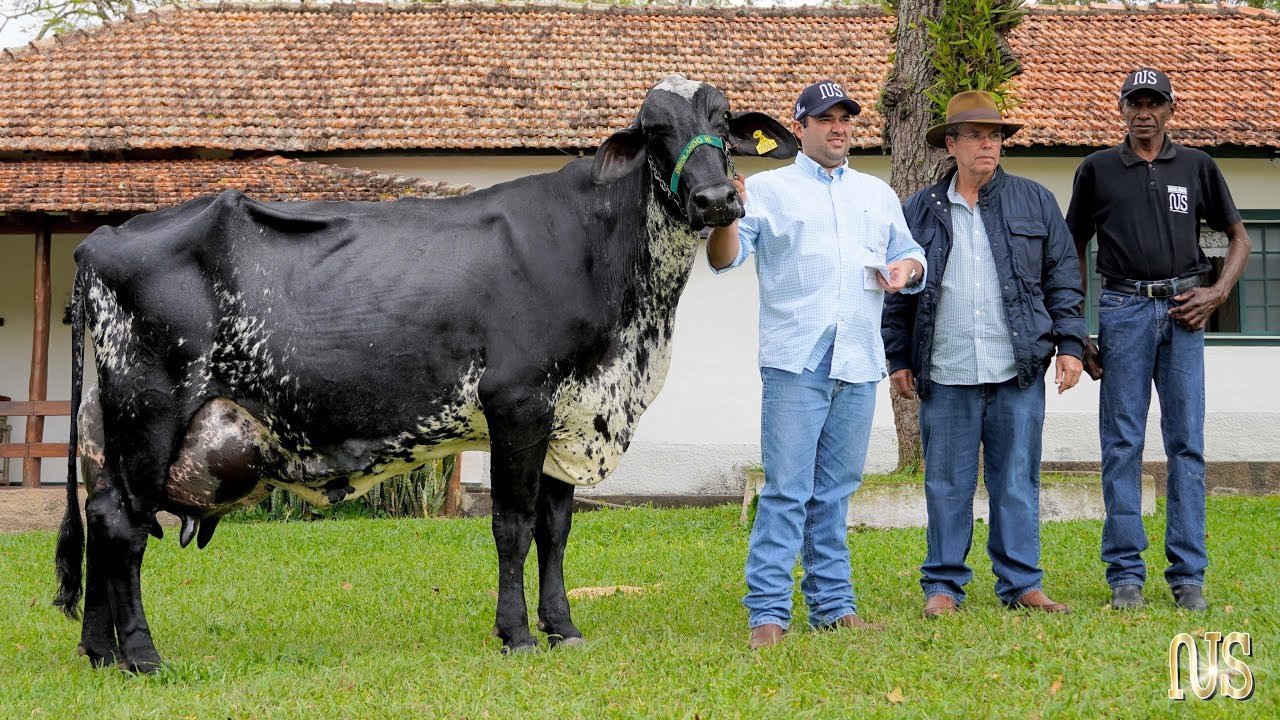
(821, 95)
(1148, 79)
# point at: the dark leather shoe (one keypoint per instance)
(940, 604)
(853, 621)
(1127, 597)
(1190, 597)
(763, 636)
(1037, 600)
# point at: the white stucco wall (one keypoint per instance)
(705, 423)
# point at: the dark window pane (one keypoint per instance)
(1255, 320)
(1269, 236)
(1254, 292)
(1256, 267)
(1273, 265)
(1273, 292)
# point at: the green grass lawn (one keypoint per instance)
(391, 619)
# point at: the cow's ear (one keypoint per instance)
(620, 153)
(758, 134)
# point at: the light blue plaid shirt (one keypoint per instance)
(812, 235)
(971, 344)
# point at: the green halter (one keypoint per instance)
(694, 144)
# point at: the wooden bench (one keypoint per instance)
(31, 452)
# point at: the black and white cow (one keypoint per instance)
(324, 346)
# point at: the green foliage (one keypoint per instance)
(967, 53)
(59, 16)
(391, 619)
(415, 494)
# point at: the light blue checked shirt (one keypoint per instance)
(971, 344)
(812, 235)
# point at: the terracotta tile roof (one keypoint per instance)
(1224, 64)
(472, 77)
(137, 186)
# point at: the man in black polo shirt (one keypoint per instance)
(1145, 199)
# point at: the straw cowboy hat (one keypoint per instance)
(971, 106)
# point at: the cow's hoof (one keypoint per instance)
(556, 641)
(141, 668)
(97, 658)
(520, 649)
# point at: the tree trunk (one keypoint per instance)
(908, 114)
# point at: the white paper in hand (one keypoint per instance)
(871, 272)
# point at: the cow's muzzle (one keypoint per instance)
(714, 206)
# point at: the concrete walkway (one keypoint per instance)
(896, 505)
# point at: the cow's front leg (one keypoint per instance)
(519, 427)
(555, 516)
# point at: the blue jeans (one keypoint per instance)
(1008, 422)
(813, 437)
(1141, 343)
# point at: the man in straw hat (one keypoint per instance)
(1145, 199)
(829, 243)
(1003, 296)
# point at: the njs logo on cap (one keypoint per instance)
(1145, 77)
(830, 90)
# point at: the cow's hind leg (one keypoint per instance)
(115, 626)
(555, 516)
(519, 428)
(97, 629)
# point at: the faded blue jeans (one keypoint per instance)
(1008, 422)
(1140, 343)
(813, 436)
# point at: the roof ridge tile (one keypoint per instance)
(1257, 12)
(142, 185)
(369, 177)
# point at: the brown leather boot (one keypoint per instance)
(1037, 600)
(939, 605)
(763, 636)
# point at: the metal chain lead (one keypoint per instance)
(657, 176)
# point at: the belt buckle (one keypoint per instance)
(1150, 290)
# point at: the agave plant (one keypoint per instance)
(417, 493)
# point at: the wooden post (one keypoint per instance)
(453, 490)
(39, 386)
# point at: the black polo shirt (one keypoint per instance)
(1147, 215)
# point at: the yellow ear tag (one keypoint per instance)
(766, 143)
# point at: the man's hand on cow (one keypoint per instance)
(1196, 305)
(904, 381)
(740, 184)
(1092, 359)
(1068, 372)
(899, 275)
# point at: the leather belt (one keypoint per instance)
(1153, 288)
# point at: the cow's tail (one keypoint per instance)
(70, 553)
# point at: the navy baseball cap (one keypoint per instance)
(821, 95)
(1148, 79)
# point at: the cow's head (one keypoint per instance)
(685, 133)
